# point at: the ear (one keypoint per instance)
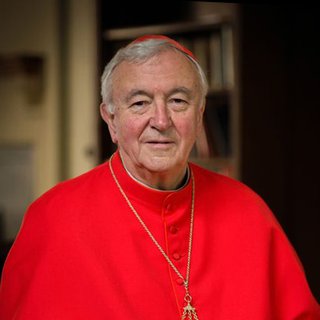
(200, 117)
(109, 119)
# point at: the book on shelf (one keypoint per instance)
(213, 140)
(214, 52)
(215, 70)
(227, 56)
(201, 51)
(216, 122)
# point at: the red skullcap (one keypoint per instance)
(162, 37)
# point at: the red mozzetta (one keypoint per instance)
(82, 254)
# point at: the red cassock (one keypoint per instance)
(81, 253)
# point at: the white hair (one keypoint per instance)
(140, 52)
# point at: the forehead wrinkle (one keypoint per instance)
(183, 90)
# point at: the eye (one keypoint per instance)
(178, 103)
(178, 100)
(139, 105)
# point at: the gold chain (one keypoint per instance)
(188, 309)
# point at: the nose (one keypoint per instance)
(161, 119)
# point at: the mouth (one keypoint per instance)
(159, 143)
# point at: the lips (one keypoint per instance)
(159, 142)
(162, 144)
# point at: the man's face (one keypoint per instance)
(157, 115)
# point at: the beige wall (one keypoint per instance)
(26, 29)
(83, 100)
(32, 27)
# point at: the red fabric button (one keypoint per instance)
(173, 229)
(180, 281)
(176, 256)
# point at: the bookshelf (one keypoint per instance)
(212, 40)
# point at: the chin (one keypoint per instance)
(162, 164)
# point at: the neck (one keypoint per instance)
(159, 180)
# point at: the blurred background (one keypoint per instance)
(261, 124)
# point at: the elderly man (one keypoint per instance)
(148, 235)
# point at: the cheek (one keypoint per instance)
(129, 129)
(188, 128)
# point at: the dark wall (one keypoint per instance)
(139, 14)
(280, 101)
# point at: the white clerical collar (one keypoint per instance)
(186, 178)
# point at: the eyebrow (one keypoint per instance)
(183, 90)
(137, 92)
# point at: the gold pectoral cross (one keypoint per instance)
(189, 312)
